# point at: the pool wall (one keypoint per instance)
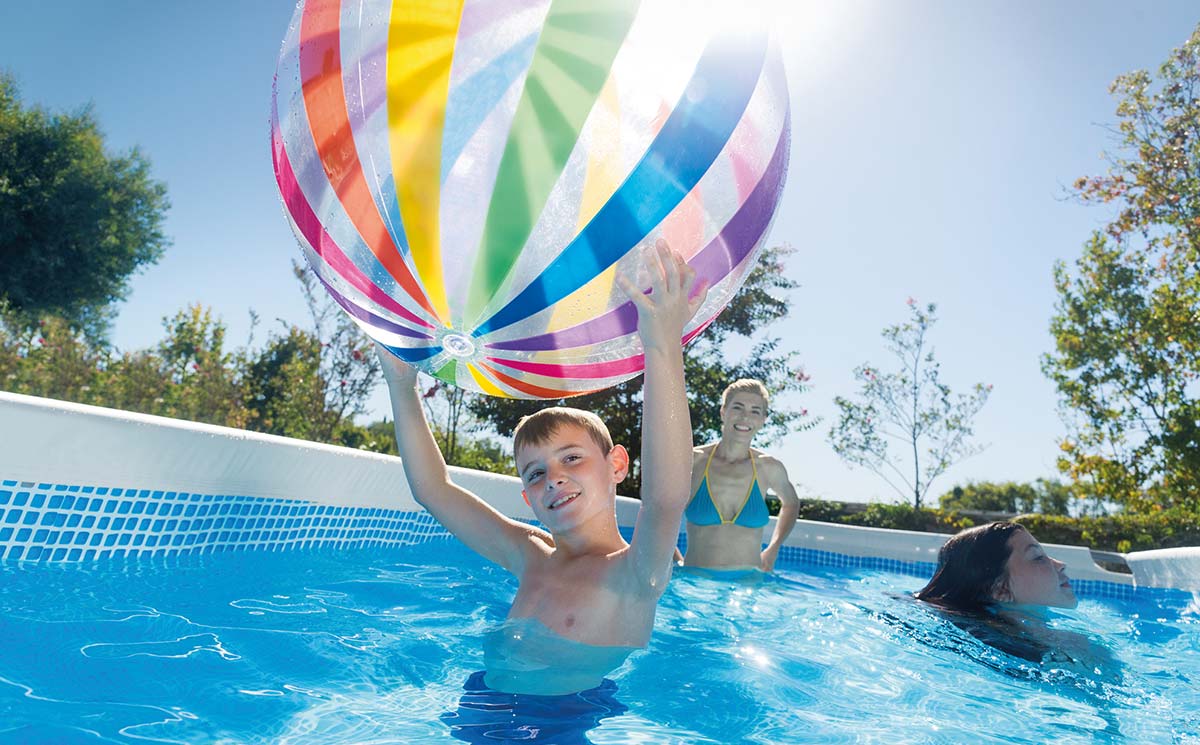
(80, 482)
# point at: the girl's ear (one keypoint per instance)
(1001, 592)
(618, 458)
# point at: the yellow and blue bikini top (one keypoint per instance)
(702, 510)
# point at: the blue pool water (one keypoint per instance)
(386, 646)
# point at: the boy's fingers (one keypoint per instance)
(632, 291)
(687, 273)
(699, 295)
(660, 264)
(673, 266)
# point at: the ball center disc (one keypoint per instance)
(458, 345)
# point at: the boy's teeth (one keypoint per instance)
(561, 500)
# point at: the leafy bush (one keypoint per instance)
(1125, 532)
(1045, 496)
(905, 517)
(1144, 532)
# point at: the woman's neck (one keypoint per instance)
(732, 452)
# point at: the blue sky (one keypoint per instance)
(932, 140)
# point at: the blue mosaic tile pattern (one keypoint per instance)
(792, 556)
(795, 555)
(60, 522)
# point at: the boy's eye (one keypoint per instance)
(571, 458)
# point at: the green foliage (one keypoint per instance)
(75, 222)
(202, 379)
(911, 407)
(1044, 496)
(188, 376)
(1126, 325)
(1127, 532)
(814, 509)
(285, 391)
(305, 383)
(757, 305)
(455, 428)
(907, 517)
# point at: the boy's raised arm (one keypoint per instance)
(666, 424)
(473, 521)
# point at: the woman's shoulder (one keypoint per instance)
(768, 464)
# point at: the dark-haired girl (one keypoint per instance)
(996, 581)
(997, 563)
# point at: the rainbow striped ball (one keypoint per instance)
(467, 178)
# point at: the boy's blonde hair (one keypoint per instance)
(535, 429)
(745, 385)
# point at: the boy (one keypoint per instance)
(580, 580)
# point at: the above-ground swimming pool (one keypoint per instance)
(170, 582)
(373, 646)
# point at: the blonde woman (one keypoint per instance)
(730, 481)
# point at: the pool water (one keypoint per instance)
(386, 646)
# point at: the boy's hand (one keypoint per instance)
(663, 313)
(396, 373)
(666, 425)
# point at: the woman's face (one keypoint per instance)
(1033, 578)
(743, 416)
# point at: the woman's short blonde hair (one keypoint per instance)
(745, 385)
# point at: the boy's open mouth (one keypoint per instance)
(563, 500)
(741, 428)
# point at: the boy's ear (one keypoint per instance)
(618, 457)
(526, 498)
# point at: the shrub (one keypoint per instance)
(1166, 529)
(905, 517)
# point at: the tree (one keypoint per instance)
(1126, 325)
(311, 383)
(202, 379)
(760, 302)
(75, 222)
(1043, 496)
(911, 407)
(305, 383)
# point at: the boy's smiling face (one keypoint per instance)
(568, 478)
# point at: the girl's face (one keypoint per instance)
(1032, 577)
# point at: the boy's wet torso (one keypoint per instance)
(592, 598)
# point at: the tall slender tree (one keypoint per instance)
(1126, 326)
(910, 408)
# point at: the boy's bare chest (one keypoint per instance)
(585, 602)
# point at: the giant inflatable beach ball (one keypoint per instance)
(467, 178)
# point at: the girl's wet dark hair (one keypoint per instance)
(969, 566)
